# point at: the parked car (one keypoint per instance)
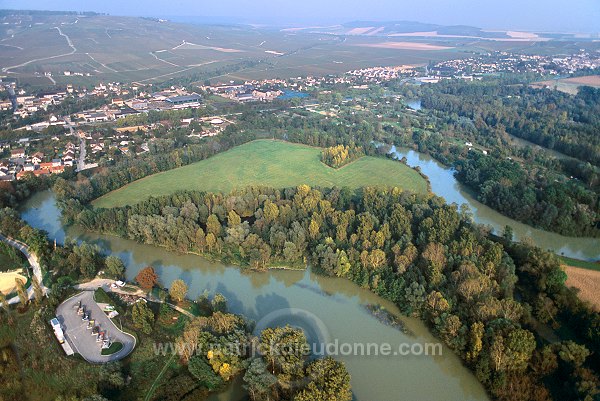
(58, 332)
(118, 284)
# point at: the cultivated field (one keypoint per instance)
(406, 46)
(269, 163)
(569, 85)
(587, 282)
(126, 49)
(129, 49)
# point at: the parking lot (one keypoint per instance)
(80, 337)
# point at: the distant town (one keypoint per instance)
(73, 147)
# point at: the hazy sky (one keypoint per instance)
(549, 15)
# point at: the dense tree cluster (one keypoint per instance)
(564, 207)
(13, 192)
(415, 250)
(219, 346)
(570, 368)
(340, 155)
(550, 118)
(526, 183)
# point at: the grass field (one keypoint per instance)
(580, 263)
(113, 349)
(270, 163)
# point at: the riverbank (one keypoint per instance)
(582, 264)
(443, 183)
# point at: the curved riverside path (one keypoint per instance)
(33, 261)
(106, 285)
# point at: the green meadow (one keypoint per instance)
(267, 163)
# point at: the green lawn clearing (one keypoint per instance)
(580, 263)
(269, 163)
(113, 349)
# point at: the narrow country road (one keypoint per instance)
(106, 284)
(82, 143)
(68, 39)
(33, 261)
(102, 64)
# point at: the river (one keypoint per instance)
(443, 183)
(337, 307)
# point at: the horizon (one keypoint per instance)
(580, 17)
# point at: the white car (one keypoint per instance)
(118, 284)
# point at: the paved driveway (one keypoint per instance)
(81, 339)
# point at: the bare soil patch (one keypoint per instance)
(522, 35)
(590, 80)
(406, 46)
(360, 31)
(7, 281)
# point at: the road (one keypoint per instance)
(153, 54)
(68, 39)
(176, 72)
(102, 64)
(33, 261)
(82, 151)
(79, 336)
(106, 284)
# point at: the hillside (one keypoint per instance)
(124, 48)
(397, 28)
(37, 49)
